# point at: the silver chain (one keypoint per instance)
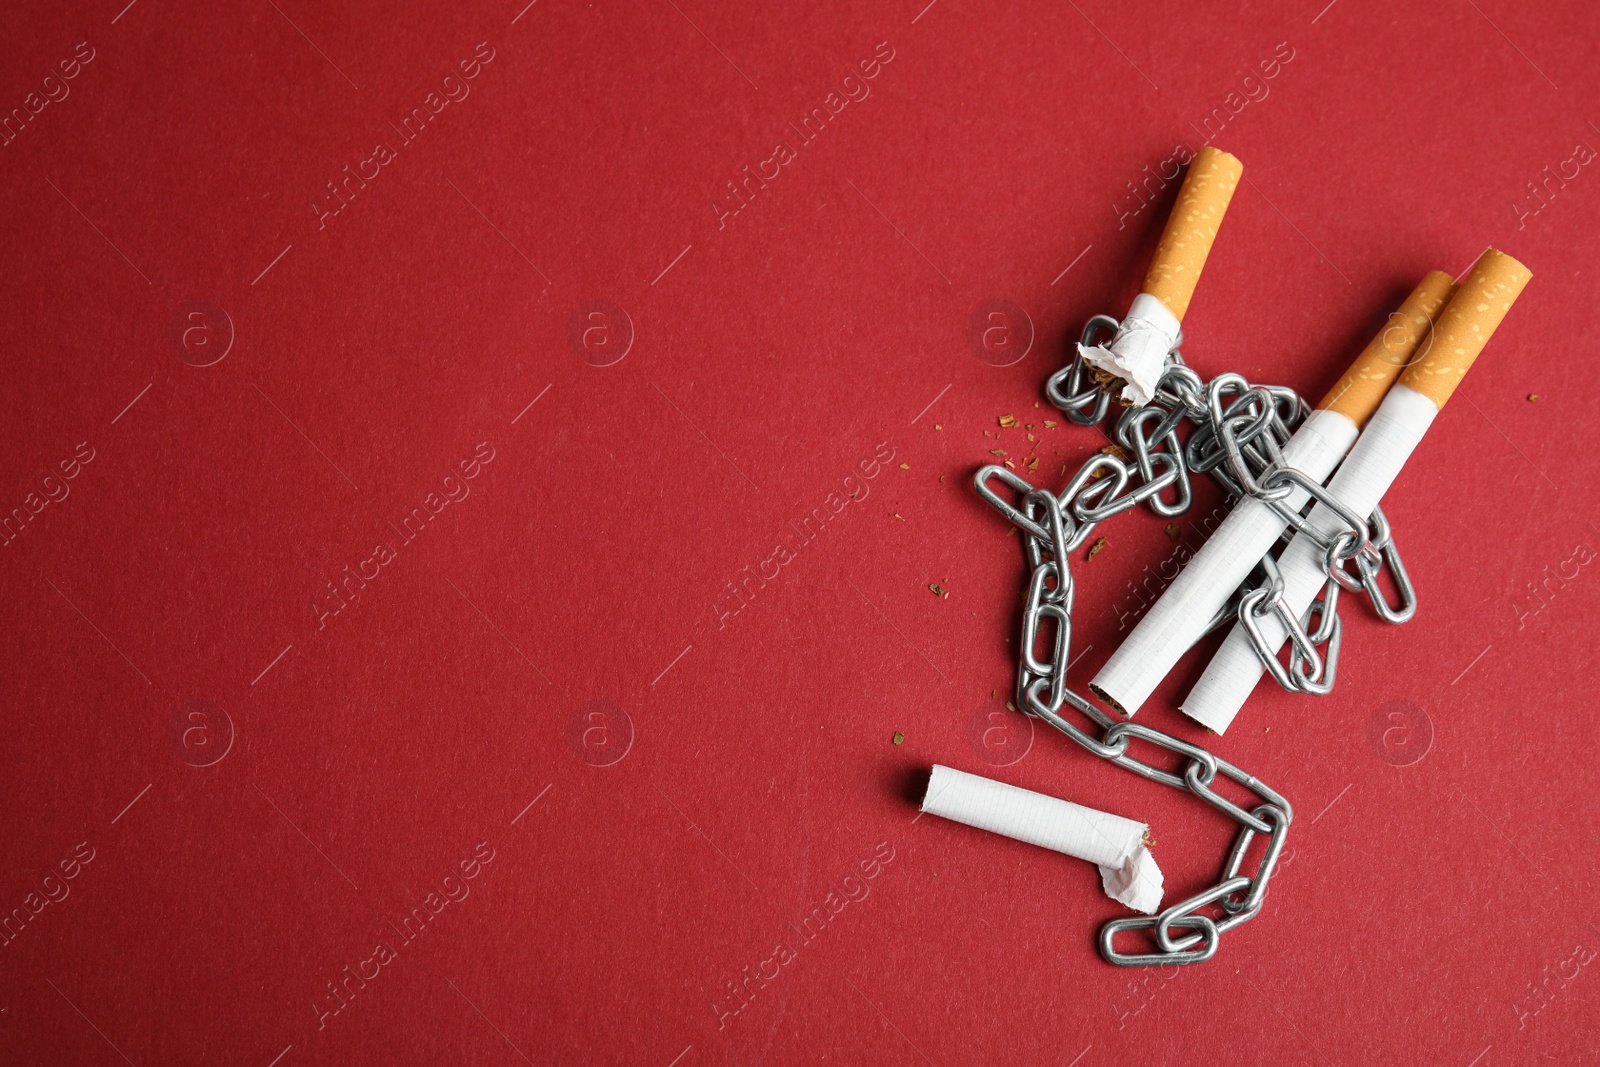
(1237, 435)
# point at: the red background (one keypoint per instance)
(1419, 905)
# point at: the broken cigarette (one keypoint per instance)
(1181, 615)
(1464, 327)
(1136, 355)
(1128, 872)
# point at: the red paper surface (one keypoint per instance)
(546, 679)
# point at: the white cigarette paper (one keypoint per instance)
(1138, 352)
(1179, 617)
(1372, 466)
(1128, 872)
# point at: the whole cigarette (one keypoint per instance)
(1179, 617)
(1191, 228)
(1131, 364)
(1463, 328)
(1128, 872)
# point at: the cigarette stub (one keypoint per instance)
(1401, 421)
(1128, 872)
(1180, 616)
(1131, 364)
(1191, 229)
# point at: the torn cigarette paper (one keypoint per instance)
(1128, 872)
(1138, 353)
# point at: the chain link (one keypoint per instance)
(1236, 434)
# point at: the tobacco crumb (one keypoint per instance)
(935, 588)
(1533, 397)
(898, 738)
(897, 515)
(1033, 464)
(1030, 426)
(1174, 531)
(905, 466)
(1011, 465)
(1012, 532)
(1049, 423)
(936, 426)
(1116, 450)
(997, 452)
(941, 477)
(1031, 437)
(993, 693)
(1010, 706)
(1007, 420)
(1149, 842)
(1094, 549)
(1109, 382)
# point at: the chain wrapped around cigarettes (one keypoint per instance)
(1237, 432)
(1272, 453)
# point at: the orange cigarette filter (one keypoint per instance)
(1192, 227)
(1466, 324)
(1357, 395)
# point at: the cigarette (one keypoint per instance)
(1128, 872)
(1180, 616)
(1134, 359)
(1464, 327)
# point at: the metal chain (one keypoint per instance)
(1237, 432)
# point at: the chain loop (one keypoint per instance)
(1383, 539)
